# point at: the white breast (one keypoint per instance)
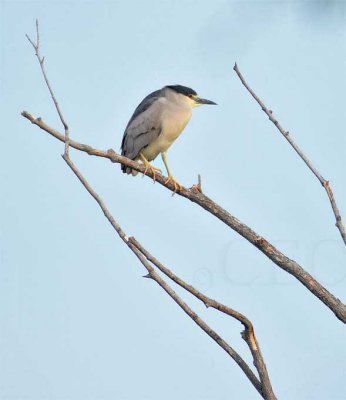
(174, 118)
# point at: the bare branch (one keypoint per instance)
(288, 265)
(248, 334)
(286, 135)
(143, 256)
(263, 386)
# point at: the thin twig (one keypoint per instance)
(40, 59)
(288, 265)
(287, 136)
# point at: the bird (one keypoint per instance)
(155, 124)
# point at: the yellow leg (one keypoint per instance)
(170, 179)
(149, 167)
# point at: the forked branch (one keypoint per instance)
(285, 263)
(196, 196)
(262, 385)
(248, 334)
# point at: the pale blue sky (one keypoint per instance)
(78, 322)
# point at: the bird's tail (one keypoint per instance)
(128, 170)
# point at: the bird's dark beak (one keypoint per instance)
(198, 100)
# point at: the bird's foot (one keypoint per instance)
(153, 170)
(177, 186)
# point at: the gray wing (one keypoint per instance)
(145, 104)
(143, 127)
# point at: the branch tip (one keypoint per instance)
(297, 149)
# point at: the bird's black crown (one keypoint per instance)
(183, 90)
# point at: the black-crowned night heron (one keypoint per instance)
(155, 125)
